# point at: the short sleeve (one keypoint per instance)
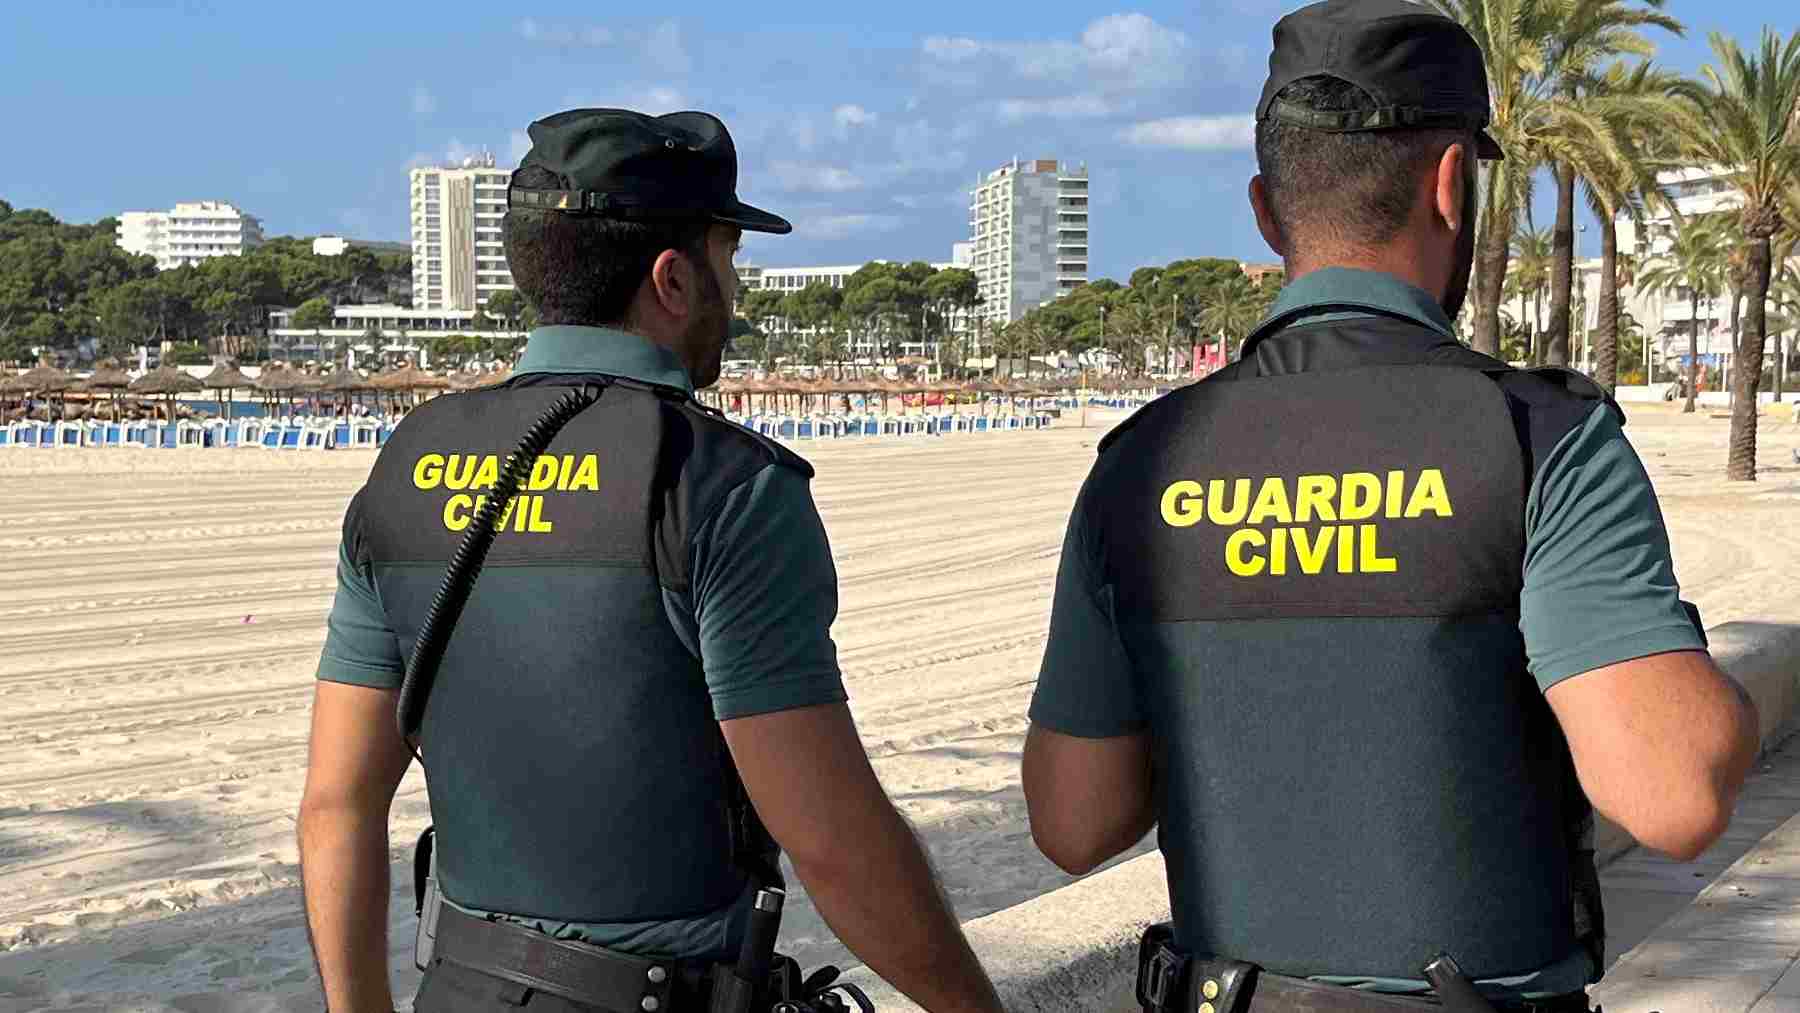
(764, 598)
(1600, 584)
(360, 648)
(1085, 686)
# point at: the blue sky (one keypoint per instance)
(864, 123)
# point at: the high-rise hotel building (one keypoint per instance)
(189, 233)
(1028, 225)
(458, 260)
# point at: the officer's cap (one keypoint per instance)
(1423, 69)
(615, 163)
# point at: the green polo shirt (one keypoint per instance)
(758, 615)
(1599, 581)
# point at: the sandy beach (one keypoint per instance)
(164, 609)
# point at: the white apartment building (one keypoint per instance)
(189, 233)
(458, 258)
(753, 278)
(1669, 316)
(337, 246)
(370, 329)
(1028, 227)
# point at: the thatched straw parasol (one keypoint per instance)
(498, 376)
(465, 380)
(347, 382)
(46, 379)
(108, 376)
(168, 379)
(408, 379)
(225, 378)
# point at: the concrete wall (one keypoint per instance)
(1076, 948)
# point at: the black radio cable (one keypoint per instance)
(465, 567)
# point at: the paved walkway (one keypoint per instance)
(1721, 933)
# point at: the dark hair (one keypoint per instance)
(584, 269)
(1355, 188)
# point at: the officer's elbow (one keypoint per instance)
(1683, 831)
(1073, 849)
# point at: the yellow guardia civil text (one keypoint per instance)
(464, 474)
(1312, 522)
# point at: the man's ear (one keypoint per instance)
(673, 284)
(1265, 218)
(1449, 193)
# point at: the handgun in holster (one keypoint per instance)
(426, 899)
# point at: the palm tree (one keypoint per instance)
(1742, 116)
(1784, 295)
(1532, 251)
(1631, 101)
(1234, 307)
(1694, 265)
(1583, 34)
(1532, 121)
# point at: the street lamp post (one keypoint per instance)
(1102, 333)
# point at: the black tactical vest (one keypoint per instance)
(553, 794)
(1315, 559)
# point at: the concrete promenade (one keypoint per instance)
(1720, 934)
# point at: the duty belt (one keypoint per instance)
(1169, 981)
(575, 971)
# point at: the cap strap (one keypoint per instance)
(607, 205)
(1383, 118)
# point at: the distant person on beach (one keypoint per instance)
(641, 707)
(1364, 622)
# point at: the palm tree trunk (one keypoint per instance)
(1562, 268)
(1693, 384)
(1606, 342)
(1490, 268)
(1536, 354)
(1741, 465)
(1737, 330)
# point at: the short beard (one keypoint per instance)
(1458, 291)
(710, 330)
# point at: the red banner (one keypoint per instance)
(1208, 357)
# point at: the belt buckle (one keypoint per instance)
(1162, 973)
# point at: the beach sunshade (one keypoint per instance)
(167, 379)
(344, 381)
(46, 379)
(225, 376)
(108, 376)
(275, 379)
(12, 383)
(498, 376)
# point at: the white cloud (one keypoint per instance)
(804, 135)
(663, 47)
(806, 176)
(653, 99)
(424, 103)
(846, 226)
(1066, 107)
(532, 30)
(851, 115)
(1194, 133)
(1133, 50)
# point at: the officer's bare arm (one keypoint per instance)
(1089, 799)
(354, 764)
(1662, 745)
(868, 875)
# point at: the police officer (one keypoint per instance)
(1363, 622)
(648, 639)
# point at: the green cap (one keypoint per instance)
(616, 163)
(1423, 69)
